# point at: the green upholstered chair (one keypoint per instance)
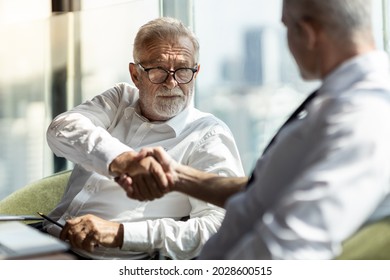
(39, 196)
(372, 242)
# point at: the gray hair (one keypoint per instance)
(341, 18)
(162, 29)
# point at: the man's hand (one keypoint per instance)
(127, 162)
(145, 186)
(87, 232)
(144, 168)
(168, 164)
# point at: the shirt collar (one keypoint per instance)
(177, 123)
(354, 69)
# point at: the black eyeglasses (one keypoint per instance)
(158, 75)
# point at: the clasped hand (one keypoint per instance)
(146, 175)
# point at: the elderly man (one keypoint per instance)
(327, 171)
(102, 136)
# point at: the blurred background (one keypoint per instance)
(55, 54)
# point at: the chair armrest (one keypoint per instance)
(372, 242)
(42, 195)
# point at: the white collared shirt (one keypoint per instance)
(326, 175)
(94, 133)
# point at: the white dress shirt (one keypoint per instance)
(326, 175)
(95, 132)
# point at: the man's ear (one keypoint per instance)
(134, 74)
(310, 32)
(197, 72)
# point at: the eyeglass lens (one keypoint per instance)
(182, 76)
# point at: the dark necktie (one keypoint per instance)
(292, 117)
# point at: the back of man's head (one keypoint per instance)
(344, 20)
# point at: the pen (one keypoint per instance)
(50, 220)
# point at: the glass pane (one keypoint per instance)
(23, 111)
(49, 63)
(386, 24)
(378, 13)
(247, 76)
(106, 43)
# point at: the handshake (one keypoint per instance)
(146, 175)
(151, 173)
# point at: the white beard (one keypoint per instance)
(169, 108)
(160, 108)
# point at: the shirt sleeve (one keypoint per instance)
(174, 239)
(216, 153)
(81, 134)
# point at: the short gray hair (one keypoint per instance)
(162, 29)
(343, 18)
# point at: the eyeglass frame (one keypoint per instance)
(169, 72)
